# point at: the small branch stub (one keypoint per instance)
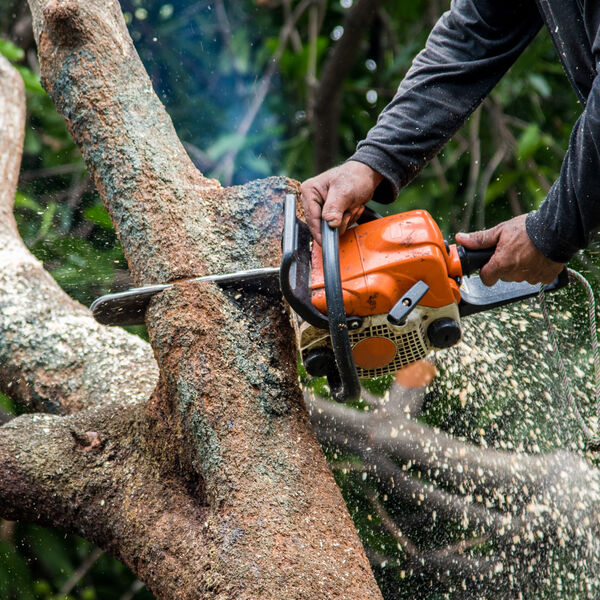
(64, 22)
(88, 441)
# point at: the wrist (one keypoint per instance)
(547, 241)
(365, 172)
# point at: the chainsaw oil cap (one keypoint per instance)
(374, 352)
(444, 333)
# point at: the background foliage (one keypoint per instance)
(209, 61)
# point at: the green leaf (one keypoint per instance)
(15, 577)
(11, 51)
(98, 215)
(23, 201)
(529, 141)
(7, 404)
(225, 144)
(52, 553)
(259, 166)
(240, 51)
(500, 185)
(31, 80)
(540, 84)
(47, 219)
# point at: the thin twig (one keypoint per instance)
(499, 119)
(513, 199)
(7, 530)
(390, 33)
(51, 171)
(224, 24)
(485, 180)
(311, 71)
(136, 587)
(295, 39)
(440, 175)
(80, 572)
(463, 545)
(392, 528)
(475, 148)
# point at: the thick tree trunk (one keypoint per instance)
(215, 487)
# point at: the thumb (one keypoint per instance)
(479, 240)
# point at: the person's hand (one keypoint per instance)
(338, 196)
(515, 259)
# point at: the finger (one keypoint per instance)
(493, 270)
(345, 222)
(356, 213)
(334, 207)
(488, 238)
(312, 202)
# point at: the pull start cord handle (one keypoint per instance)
(348, 388)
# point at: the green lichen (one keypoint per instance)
(208, 449)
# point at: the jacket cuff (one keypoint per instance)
(389, 188)
(545, 239)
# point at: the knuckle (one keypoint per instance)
(308, 186)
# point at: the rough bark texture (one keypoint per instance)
(54, 357)
(216, 487)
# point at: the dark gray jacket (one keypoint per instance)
(468, 51)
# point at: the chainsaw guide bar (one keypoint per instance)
(129, 307)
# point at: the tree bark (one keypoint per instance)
(215, 486)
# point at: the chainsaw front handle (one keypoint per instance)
(294, 274)
(348, 388)
(294, 279)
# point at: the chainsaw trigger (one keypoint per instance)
(400, 311)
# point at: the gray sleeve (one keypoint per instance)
(468, 51)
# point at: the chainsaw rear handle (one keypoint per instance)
(473, 260)
(476, 297)
(346, 387)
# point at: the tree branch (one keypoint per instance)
(12, 133)
(227, 416)
(53, 356)
(92, 72)
(91, 474)
(527, 504)
(423, 447)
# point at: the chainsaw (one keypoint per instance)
(385, 294)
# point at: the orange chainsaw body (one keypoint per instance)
(382, 259)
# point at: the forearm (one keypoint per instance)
(571, 211)
(468, 51)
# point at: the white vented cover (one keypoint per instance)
(411, 339)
